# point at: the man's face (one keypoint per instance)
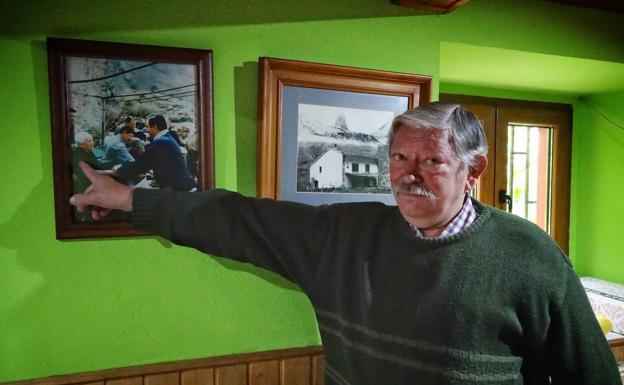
(87, 145)
(428, 179)
(152, 130)
(126, 137)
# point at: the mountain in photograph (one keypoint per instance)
(104, 91)
(311, 130)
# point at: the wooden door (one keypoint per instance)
(547, 130)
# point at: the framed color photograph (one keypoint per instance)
(324, 130)
(142, 114)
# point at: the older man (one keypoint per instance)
(83, 152)
(439, 290)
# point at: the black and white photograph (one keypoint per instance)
(335, 145)
(141, 114)
(342, 150)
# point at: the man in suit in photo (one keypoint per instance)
(163, 156)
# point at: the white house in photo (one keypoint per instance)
(326, 170)
(335, 169)
(360, 171)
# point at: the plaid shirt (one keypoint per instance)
(466, 216)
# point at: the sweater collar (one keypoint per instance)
(484, 213)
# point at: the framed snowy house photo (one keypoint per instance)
(324, 129)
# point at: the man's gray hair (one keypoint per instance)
(82, 137)
(465, 133)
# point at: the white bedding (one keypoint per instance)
(607, 300)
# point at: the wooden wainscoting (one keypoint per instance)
(300, 366)
(617, 345)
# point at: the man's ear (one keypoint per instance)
(474, 172)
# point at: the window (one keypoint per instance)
(320, 169)
(355, 167)
(529, 172)
(367, 167)
(529, 160)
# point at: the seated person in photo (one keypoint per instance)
(130, 121)
(83, 151)
(176, 136)
(117, 151)
(163, 156)
(136, 147)
(192, 154)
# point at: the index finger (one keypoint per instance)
(88, 171)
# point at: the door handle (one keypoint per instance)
(503, 197)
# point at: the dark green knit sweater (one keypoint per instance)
(497, 303)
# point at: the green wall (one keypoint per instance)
(597, 186)
(72, 306)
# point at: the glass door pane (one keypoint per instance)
(529, 172)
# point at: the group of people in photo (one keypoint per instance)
(148, 153)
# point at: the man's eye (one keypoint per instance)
(396, 156)
(434, 161)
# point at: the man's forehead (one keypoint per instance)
(409, 133)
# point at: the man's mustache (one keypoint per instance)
(414, 189)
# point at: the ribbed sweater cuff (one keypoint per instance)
(147, 207)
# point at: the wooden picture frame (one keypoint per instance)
(316, 118)
(104, 102)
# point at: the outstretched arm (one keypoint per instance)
(285, 237)
(103, 195)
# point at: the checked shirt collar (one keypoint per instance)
(466, 216)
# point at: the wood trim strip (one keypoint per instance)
(436, 6)
(617, 346)
(172, 378)
(193, 371)
(318, 372)
(295, 371)
(231, 375)
(264, 373)
(500, 102)
(197, 377)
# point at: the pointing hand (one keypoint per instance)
(103, 195)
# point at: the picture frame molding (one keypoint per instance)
(276, 73)
(59, 50)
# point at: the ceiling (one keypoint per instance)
(527, 71)
(460, 63)
(607, 5)
(445, 6)
(63, 17)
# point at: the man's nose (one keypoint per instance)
(413, 174)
